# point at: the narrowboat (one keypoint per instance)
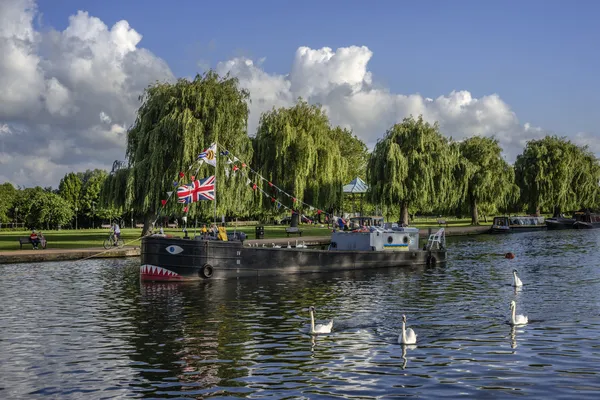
(587, 220)
(560, 222)
(166, 258)
(517, 224)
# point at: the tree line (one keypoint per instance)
(413, 168)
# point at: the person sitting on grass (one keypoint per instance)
(35, 240)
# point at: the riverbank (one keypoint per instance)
(63, 254)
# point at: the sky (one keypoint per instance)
(72, 71)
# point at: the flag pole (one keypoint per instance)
(216, 173)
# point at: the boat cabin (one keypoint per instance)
(376, 239)
(518, 223)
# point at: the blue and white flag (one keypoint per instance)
(209, 155)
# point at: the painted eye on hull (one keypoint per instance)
(174, 249)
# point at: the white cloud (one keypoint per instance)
(68, 96)
(342, 83)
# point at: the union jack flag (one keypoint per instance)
(198, 190)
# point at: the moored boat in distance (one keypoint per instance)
(515, 224)
(560, 222)
(166, 258)
(587, 220)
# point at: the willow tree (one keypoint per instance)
(555, 174)
(176, 122)
(491, 179)
(295, 149)
(414, 166)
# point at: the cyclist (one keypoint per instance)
(117, 233)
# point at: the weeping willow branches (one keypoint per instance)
(174, 124)
(296, 148)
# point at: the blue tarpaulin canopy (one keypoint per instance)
(356, 186)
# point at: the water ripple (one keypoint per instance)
(92, 330)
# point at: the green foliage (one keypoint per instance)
(353, 150)
(8, 194)
(174, 124)
(70, 187)
(39, 208)
(490, 179)
(555, 174)
(297, 149)
(415, 166)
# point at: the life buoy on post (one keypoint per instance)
(206, 271)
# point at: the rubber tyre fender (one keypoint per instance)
(431, 261)
(206, 271)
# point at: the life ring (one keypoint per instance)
(206, 271)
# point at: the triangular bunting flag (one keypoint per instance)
(248, 181)
(227, 172)
(169, 193)
(163, 202)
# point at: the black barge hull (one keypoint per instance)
(175, 259)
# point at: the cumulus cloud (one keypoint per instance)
(341, 82)
(68, 96)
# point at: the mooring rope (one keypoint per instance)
(108, 250)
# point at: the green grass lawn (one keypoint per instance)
(86, 238)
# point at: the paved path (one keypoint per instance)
(50, 254)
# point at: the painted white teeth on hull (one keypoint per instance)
(157, 272)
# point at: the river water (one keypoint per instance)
(91, 330)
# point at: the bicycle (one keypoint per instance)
(110, 241)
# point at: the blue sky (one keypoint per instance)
(541, 57)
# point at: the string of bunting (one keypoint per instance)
(208, 156)
(225, 152)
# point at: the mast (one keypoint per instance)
(215, 185)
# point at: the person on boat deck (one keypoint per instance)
(222, 235)
(214, 231)
(35, 240)
(204, 230)
(341, 223)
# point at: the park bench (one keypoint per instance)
(139, 225)
(441, 221)
(27, 240)
(106, 226)
(171, 225)
(294, 230)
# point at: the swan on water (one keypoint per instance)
(320, 328)
(288, 246)
(516, 280)
(408, 336)
(517, 319)
(276, 246)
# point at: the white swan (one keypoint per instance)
(288, 246)
(276, 246)
(517, 319)
(408, 336)
(516, 281)
(321, 328)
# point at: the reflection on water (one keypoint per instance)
(92, 330)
